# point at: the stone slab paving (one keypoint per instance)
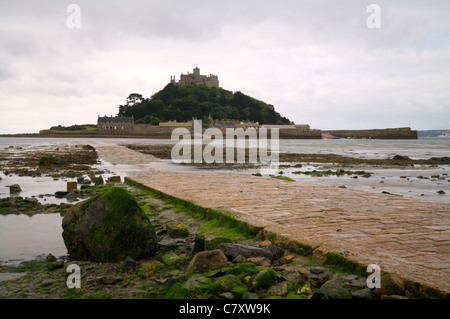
(404, 236)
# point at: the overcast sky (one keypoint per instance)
(316, 61)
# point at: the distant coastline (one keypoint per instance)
(389, 133)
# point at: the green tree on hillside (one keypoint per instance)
(183, 102)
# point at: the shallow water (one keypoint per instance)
(421, 148)
(25, 237)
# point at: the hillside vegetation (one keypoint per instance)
(182, 103)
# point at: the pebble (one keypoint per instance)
(288, 259)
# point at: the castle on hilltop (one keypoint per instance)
(195, 78)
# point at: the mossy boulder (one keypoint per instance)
(264, 279)
(108, 227)
(99, 181)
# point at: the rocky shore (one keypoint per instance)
(196, 258)
(197, 255)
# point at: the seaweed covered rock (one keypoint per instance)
(264, 279)
(108, 227)
(50, 160)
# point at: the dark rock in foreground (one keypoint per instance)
(234, 250)
(14, 189)
(344, 287)
(108, 227)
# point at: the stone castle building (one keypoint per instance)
(195, 78)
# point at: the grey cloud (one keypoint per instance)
(314, 60)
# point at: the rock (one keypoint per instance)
(180, 241)
(108, 227)
(114, 179)
(199, 244)
(238, 292)
(226, 295)
(50, 160)
(72, 195)
(216, 241)
(319, 256)
(31, 200)
(129, 263)
(205, 261)
(264, 279)
(279, 289)
(401, 158)
(167, 244)
(174, 273)
(47, 282)
(50, 258)
(234, 250)
(305, 290)
(99, 181)
(391, 284)
(107, 280)
(15, 188)
(239, 259)
(71, 186)
(352, 282)
(317, 270)
(195, 281)
(148, 270)
(345, 287)
(55, 265)
(227, 283)
(60, 194)
(88, 147)
(266, 243)
(317, 276)
(288, 259)
(276, 251)
(60, 162)
(259, 261)
(332, 289)
(176, 230)
(365, 293)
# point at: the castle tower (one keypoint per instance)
(196, 71)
